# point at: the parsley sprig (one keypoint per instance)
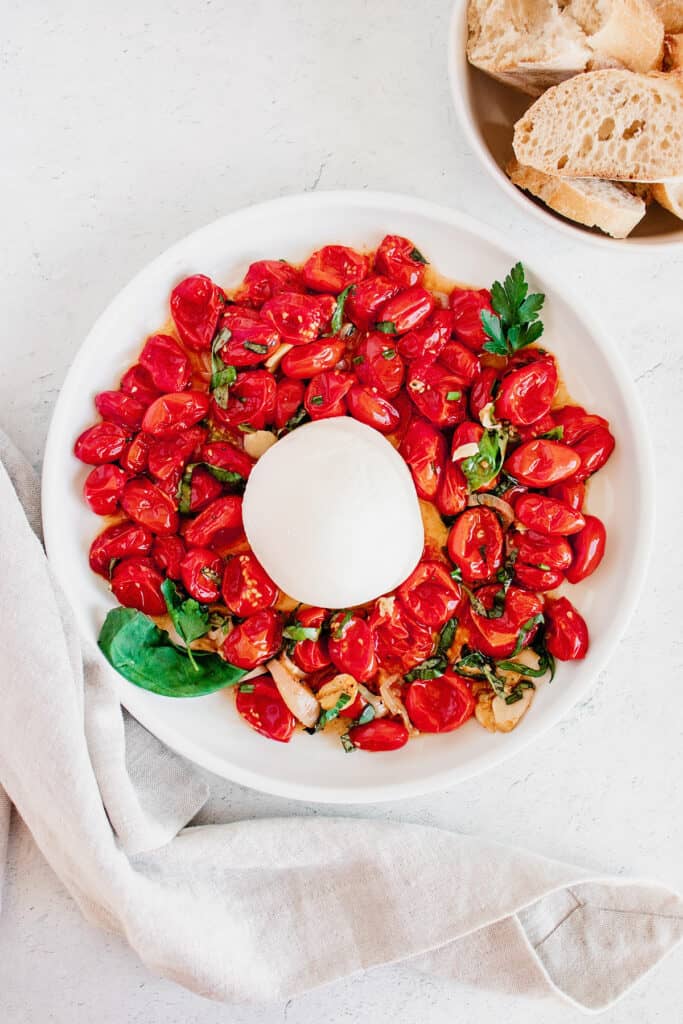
(515, 323)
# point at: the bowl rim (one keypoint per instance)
(641, 456)
(458, 71)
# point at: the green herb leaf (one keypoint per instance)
(456, 574)
(222, 375)
(437, 664)
(417, 256)
(481, 468)
(346, 743)
(191, 619)
(389, 353)
(226, 476)
(357, 360)
(493, 327)
(246, 428)
(453, 396)
(386, 326)
(316, 400)
(514, 322)
(327, 716)
(141, 652)
(300, 416)
(296, 632)
(556, 434)
(366, 715)
(255, 346)
(339, 627)
(247, 688)
(338, 315)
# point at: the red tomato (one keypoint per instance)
(537, 429)
(430, 594)
(541, 550)
(576, 422)
(138, 383)
(526, 394)
(540, 463)
(407, 310)
(481, 394)
(250, 341)
(247, 588)
(497, 638)
(251, 402)
(398, 258)
(326, 394)
(594, 449)
(164, 458)
(460, 359)
(430, 339)
(135, 458)
(103, 487)
(265, 711)
(267, 278)
(289, 398)
(466, 432)
(333, 268)
(351, 646)
(299, 318)
(588, 547)
(120, 408)
(378, 364)
(424, 449)
(196, 304)
(222, 517)
(548, 515)
(368, 407)
(171, 415)
(566, 633)
(201, 572)
(306, 360)
(166, 363)
(311, 655)
(453, 492)
(145, 503)
(401, 642)
(224, 455)
(439, 705)
(438, 395)
(475, 544)
(467, 305)
(363, 303)
(378, 735)
(122, 540)
(167, 554)
(136, 583)
(254, 641)
(103, 442)
(355, 708)
(573, 495)
(406, 413)
(204, 488)
(538, 580)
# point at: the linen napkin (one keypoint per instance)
(264, 910)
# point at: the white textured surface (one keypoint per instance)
(125, 126)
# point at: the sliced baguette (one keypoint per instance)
(612, 124)
(673, 52)
(671, 14)
(670, 195)
(589, 201)
(626, 31)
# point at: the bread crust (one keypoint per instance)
(670, 196)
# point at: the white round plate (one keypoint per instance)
(208, 729)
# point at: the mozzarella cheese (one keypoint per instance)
(331, 513)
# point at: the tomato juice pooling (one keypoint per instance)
(348, 492)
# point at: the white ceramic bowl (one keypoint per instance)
(488, 110)
(208, 729)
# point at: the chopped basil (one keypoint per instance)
(357, 360)
(338, 315)
(543, 566)
(437, 664)
(417, 256)
(386, 326)
(453, 396)
(226, 476)
(339, 627)
(327, 716)
(190, 619)
(247, 688)
(389, 353)
(316, 400)
(300, 416)
(222, 375)
(296, 632)
(366, 715)
(346, 743)
(246, 428)
(481, 468)
(254, 346)
(185, 490)
(516, 693)
(456, 574)
(556, 434)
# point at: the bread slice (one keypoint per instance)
(589, 201)
(626, 31)
(612, 124)
(670, 195)
(670, 13)
(673, 52)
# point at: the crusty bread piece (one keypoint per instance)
(589, 201)
(670, 195)
(670, 13)
(627, 31)
(673, 52)
(611, 124)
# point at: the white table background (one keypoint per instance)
(125, 125)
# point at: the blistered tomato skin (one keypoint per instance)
(251, 341)
(333, 268)
(526, 394)
(460, 360)
(145, 503)
(251, 402)
(430, 594)
(424, 449)
(262, 707)
(134, 458)
(588, 548)
(196, 304)
(122, 540)
(165, 457)
(171, 414)
(401, 642)
(299, 319)
(247, 588)
(566, 634)
(540, 463)
(438, 394)
(400, 260)
(498, 637)
(101, 443)
(453, 493)
(103, 487)
(407, 310)
(222, 516)
(136, 583)
(351, 646)
(120, 408)
(289, 399)
(430, 340)
(548, 515)
(305, 361)
(439, 705)
(254, 641)
(467, 305)
(475, 544)
(201, 572)
(223, 455)
(138, 383)
(366, 299)
(593, 450)
(542, 550)
(326, 393)
(576, 422)
(166, 362)
(538, 580)
(167, 555)
(378, 364)
(311, 655)
(372, 409)
(379, 735)
(482, 391)
(572, 494)
(204, 488)
(267, 278)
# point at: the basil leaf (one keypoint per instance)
(222, 375)
(346, 743)
(388, 353)
(141, 652)
(226, 476)
(300, 416)
(366, 715)
(338, 315)
(338, 628)
(247, 688)
(191, 619)
(297, 632)
(386, 327)
(255, 346)
(331, 713)
(185, 490)
(481, 468)
(437, 664)
(417, 256)
(453, 396)
(556, 434)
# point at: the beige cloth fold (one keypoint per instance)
(265, 909)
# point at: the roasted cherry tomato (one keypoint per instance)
(326, 394)
(166, 363)
(424, 449)
(398, 258)
(378, 364)
(103, 442)
(407, 310)
(202, 490)
(267, 278)
(138, 383)
(439, 705)
(250, 341)
(438, 394)
(566, 633)
(573, 495)
(254, 641)
(588, 547)
(262, 707)
(134, 459)
(467, 305)
(548, 515)
(541, 550)
(118, 407)
(453, 492)
(498, 637)
(145, 503)
(366, 298)
(351, 646)
(378, 735)
(475, 544)
(136, 583)
(545, 427)
(333, 268)
(201, 572)
(370, 408)
(247, 588)
(167, 554)
(525, 395)
(228, 457)
(538, 580)
(401, 642)
(460, 359)
(299, 319)
(430, 594)
(305, 361)
(222, 519)
(541, 463)
(196, 304)
(311, 655)
(430, 339)
(165, 457)
(594, 449)
(251, 402)
(482, 391)
(123, 540)
(171, 415)
(103, 487)
(576, 422)
(289, 398)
